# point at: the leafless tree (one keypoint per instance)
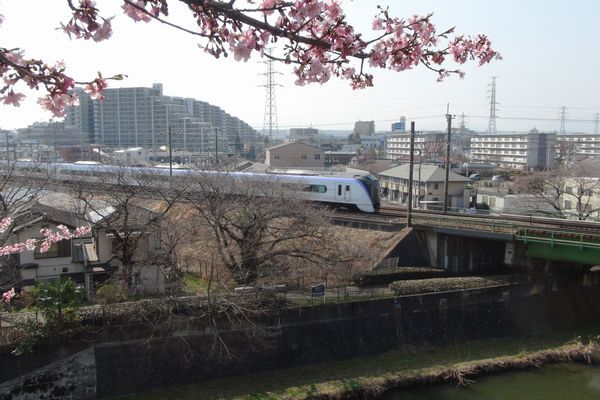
(565, 153)
(19, 189)
(564, 189)
(259, 224)
(131, 207)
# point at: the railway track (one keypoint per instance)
(524, 220)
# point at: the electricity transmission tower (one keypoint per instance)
(563, 115)
(270, 124)
(493, 107)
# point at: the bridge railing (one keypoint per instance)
(580, 240)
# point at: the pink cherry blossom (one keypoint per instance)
(49, 237)
(95, 88)
(13, 98)
(135, 13)
(5, 223)
(313, 35)
(7, 296)
(104, 31)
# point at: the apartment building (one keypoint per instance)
(523, 151)
(578, 144)
(364, 128)
(144, 116)
(56, 134)
(428, 146)
(307, 135)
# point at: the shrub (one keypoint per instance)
(389, 275)
(404, 288)
(111, 292)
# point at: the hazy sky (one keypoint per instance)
(550, 51)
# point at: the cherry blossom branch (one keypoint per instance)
(49, 237)
(316, 37)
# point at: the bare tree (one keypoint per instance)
(564, 190)
(130, 206)
(565, 153)
(19, 189)
(259, 224)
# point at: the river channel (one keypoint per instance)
(554, 382)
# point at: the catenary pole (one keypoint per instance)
(448, 142)
(410, 174)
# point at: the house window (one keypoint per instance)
(276, 157)
(317, 156)
(59, 249)
(568, 205)
(436, 186)
(303, 156)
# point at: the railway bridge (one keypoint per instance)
(473, 243)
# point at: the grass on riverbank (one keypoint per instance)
(363, 378)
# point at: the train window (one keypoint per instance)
(315, 188)
(339, 190)
(347, 188)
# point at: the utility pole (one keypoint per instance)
(170, 153)
(449, 120)
(596, 126)
(216, 147)
(7, 150)
(410, 174)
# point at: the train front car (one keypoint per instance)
(371, 185)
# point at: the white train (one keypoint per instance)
(355, 192)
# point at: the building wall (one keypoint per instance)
(397, 147)
(397, 191)
(131, 117)
(584, 144)
(517, 151)
(48, 268)
(295, 155)
(364, 127)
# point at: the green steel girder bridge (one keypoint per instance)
(543, 240)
